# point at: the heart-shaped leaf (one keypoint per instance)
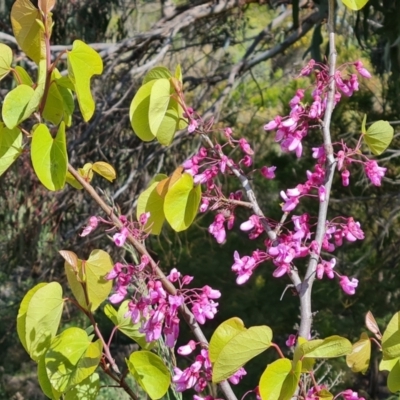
(83, 63)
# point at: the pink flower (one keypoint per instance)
(204, 204)
(327, 268)
(217, 228)
(291, 341)
(120, 237)
(193, 124)
(143, 218)
(244, 267)
(245, 146)
(374, 172)
(362, 71)
(268, 172)
(237, 376)
(350, 395)
(345, 177)
(174, 275)
(273, 124)
(187, 349)
(93, 222)
(348, 286)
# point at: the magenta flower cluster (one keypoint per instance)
(153, 307)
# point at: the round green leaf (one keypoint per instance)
(10, 146)
(150, 372)
(125, 325)
(182, 203)
(393, 381)
(355, 4)
(15, 105)
(332, 346)
(279, 381)
(21, 318)
(42, 318)
(49, 156)
(157, 73)
(27, 31)
(86, 390)
(379, 136)
(239, 350)
(222, 335)
(151, 201)
(160, 95)
(83, 63)
(358, 359)
(391, 338)
(6, 57)
(139, 112)
(71, 358)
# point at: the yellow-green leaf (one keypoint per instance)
(307, 363)
(70, 179)
(15, 105)
(159, 99)
(391, 338)
(6, 57)
(105, 170)
(83, 63)
(92, 273)
(10, 146)
(222, 335)
(182, 203)
(387, 365)
(393, 381)
(239, 350)
(139, 112)
(151, 201)
(27, 31)
(86, 390)
(379, 136)
(359, 358)
(125, 325)
(71, 358)
(42, 318)
(150, 372)
(54, 107)
(279, 380)
(157, 73)
(49, 156)
(330, 347)
(178, 73)
(355, 4)
(169, 124)
(21, 318)
(44, 381)
(23, 76)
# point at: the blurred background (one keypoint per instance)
(239, 59)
